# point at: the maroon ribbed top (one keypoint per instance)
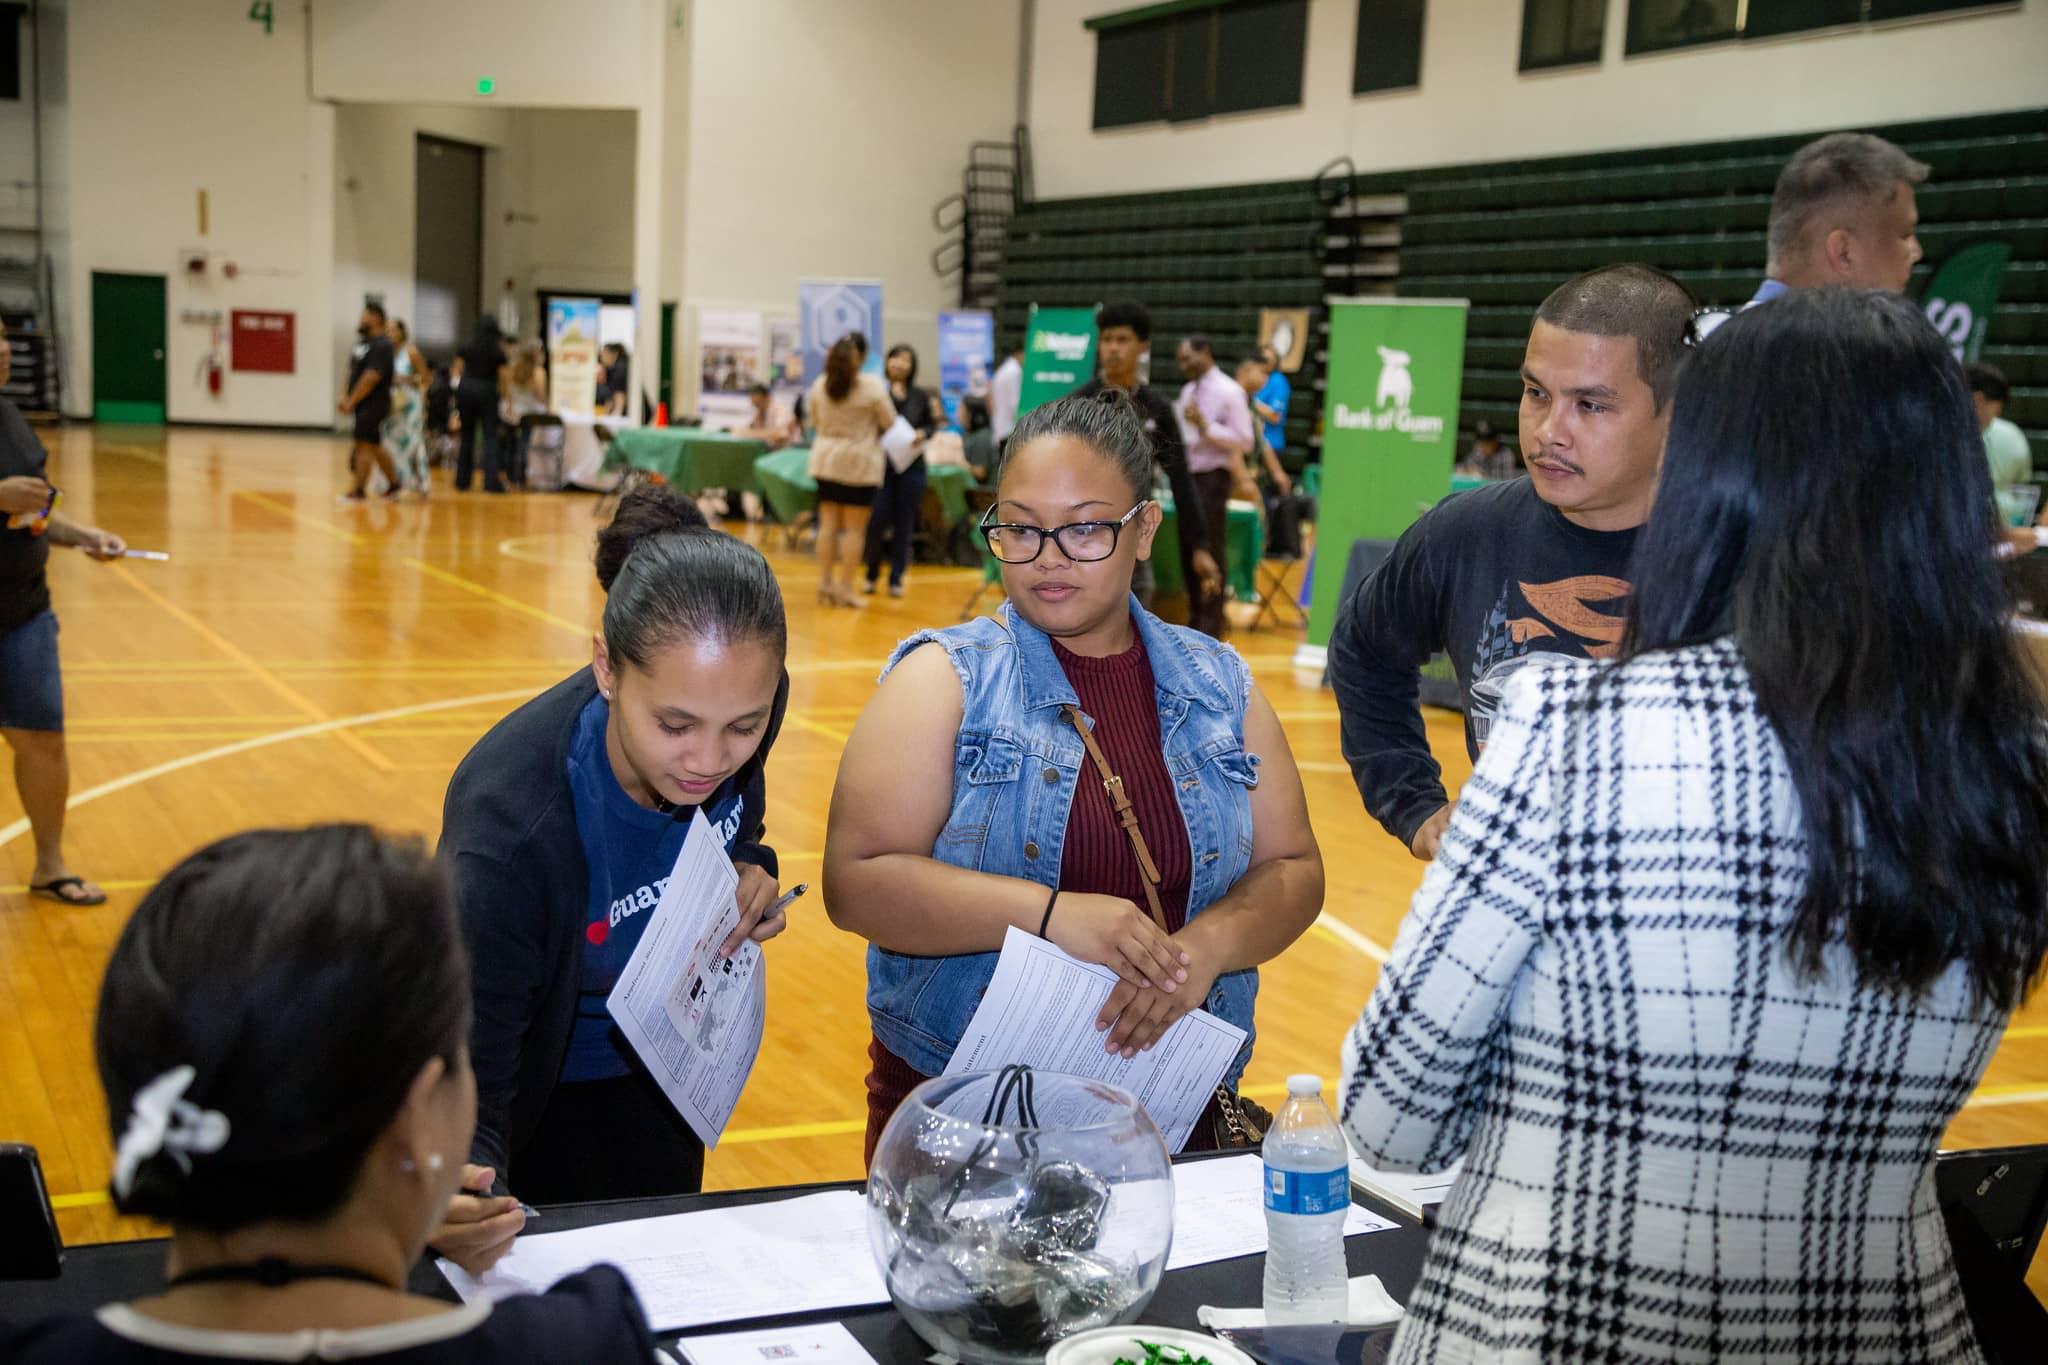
(1117, 694)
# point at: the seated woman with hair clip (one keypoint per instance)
(970, 787)
(280, 1036)
(560, 831)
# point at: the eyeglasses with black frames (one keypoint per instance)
(1084, 542)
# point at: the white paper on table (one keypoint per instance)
(719, 1265)
(1219, 1211)
(899, 443)
(695, 1019)
(1039, 1010)
(1370, 1306)
(1405, 1190)
(824, 1343)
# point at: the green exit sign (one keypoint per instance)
(486, 86)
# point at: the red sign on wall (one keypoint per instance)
(264, 342)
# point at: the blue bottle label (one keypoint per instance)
(1309, 1192)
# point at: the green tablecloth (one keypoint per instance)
(689, 458)
(784, 480)
(1245, 540)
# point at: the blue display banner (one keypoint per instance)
(967, 352)
(828, 309)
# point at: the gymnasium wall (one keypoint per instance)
(821, 136)
(545, 53)
(1473, 106)
(170, 98)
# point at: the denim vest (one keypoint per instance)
(1015, 767)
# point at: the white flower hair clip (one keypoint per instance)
(162, 1119)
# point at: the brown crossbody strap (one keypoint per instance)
(1126, 814)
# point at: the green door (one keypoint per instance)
(127, 348)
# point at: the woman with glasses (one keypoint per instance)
(976, 793)
(1723, 934)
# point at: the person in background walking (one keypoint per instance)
(368, 402)
(476, 407)
(901, 496)
(405, 430)
(523, 390)
(851, 410)
(1216, 427)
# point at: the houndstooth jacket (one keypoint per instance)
(1677, 1148)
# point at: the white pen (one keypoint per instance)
(788, 900)
(144, 554)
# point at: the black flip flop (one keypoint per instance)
(54, 891)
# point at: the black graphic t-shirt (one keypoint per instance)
(1496, 578)
(24, 590)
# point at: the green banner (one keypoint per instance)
(1962, 294)
(1059, 355)
(1390, 430)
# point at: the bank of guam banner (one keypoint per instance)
(1390, 429)
(572, 354)
(1059, 355)
(967, 352)
(828, 309)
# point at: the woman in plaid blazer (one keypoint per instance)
(1723, 934)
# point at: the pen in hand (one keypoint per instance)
(787, 900)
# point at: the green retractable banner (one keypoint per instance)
(1059, 355)
(1963, 292)
(1390, 429)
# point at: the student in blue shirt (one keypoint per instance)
(560, 831)
(1269, 404)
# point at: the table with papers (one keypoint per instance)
(1217, 1215)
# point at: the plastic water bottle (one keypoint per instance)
(1308, 1191)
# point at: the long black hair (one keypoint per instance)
(304, 977)
(1825, 499)
(645, 509)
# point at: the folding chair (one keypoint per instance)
(1276, 594)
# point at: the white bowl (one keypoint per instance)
(1107, 1345)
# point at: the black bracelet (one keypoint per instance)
(1047, 918)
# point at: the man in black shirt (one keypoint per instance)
(1506, 574)
(370, 366)
(31, 687)
(1123, 334)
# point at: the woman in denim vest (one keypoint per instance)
(967, 804)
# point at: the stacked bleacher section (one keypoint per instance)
(1504, 235)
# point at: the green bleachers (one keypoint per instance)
(1504, 236)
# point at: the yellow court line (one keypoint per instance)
(1349, 936)
(292, 513)
(2027, 1031)
(813, 727)
(9, 833)
(1996, 1096)
(256, 670)
(492, 594)
(1305, 766)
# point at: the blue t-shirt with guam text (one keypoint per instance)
(630, 851)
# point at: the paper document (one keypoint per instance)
(1040, 1011)
(899, 443)
(1404, 1190)
(1219, 1211)
(826, 1343)
(693, 1019)
(720, 1265)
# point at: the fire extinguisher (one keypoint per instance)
(211, 364)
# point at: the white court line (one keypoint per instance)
(1352, 937)
(9, 833)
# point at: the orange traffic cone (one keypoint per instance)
(661, 414)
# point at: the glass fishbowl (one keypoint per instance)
(998, 1238)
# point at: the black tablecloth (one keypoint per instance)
(115, 1271)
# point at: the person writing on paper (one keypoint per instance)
(967, 802)
(280, 1037)
(850, 410)
(901, 497)
(561, 829)
(1724, 932)
(769, 421)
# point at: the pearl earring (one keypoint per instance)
(433, 1161)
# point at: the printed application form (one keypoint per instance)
(695, 1020)
(1040, 1011)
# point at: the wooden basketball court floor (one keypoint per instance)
(298, 660)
